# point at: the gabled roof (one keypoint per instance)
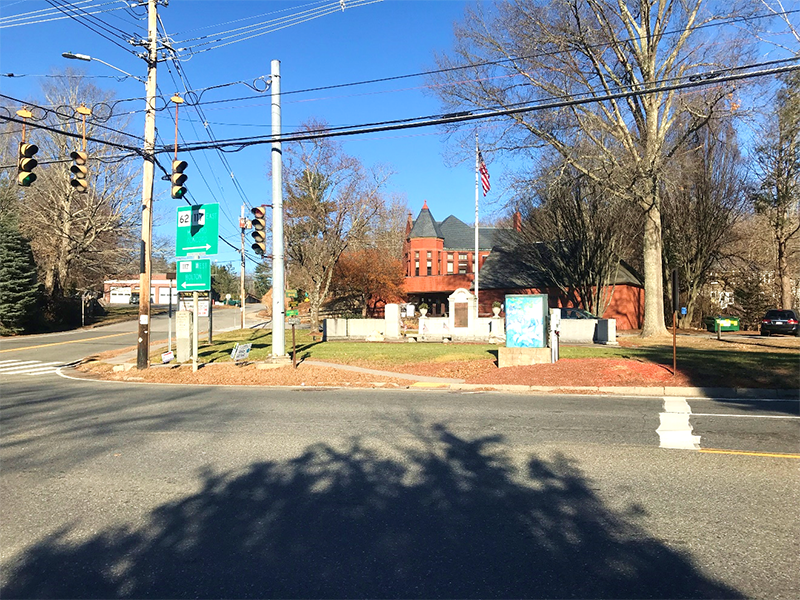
(456, 234)
(505, 268)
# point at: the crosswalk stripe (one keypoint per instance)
(17, 363)
(29, 367)
(41, 370)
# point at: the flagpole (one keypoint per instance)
(477, 189)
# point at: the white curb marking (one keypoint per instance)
(674, 430)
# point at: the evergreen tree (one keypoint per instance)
(262, 280)
(19, 289)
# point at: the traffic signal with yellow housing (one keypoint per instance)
(26, 164)
(178, 178)
(80, 172)
(259, 233)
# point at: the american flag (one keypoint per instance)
(484, 173)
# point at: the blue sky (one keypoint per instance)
(384, 39)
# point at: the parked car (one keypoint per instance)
(780, 321)
(576, 313)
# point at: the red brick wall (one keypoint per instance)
(627, 303)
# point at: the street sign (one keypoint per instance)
(194, 275)
(292, 313)
(198, 230)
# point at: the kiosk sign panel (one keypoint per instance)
(526, 320)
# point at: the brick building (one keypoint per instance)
(119, 291)
(439, 258)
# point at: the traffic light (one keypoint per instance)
(178, 178)
(80, 181)
(259, 230)
(26, 164)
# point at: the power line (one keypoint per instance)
(709, 78)
(265, 27)
(46, 15)
(85, 22)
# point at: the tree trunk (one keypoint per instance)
(784, 280)
(653, 285)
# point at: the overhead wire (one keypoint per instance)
(66, 7)
(709, 78)
(246, 33)
(46, 15)
(180, 71)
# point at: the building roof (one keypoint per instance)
(506, 268)
(456, 234)
(425, 225)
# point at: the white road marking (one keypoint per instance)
(674, 430)
(745, 416)
(28, 367)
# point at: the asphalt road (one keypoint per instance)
(111, 489)
(136, 491)
(65, 347)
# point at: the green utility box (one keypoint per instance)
(722, 323)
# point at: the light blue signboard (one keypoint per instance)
(526, 321)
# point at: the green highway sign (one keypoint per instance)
(198, 230)
(194, 275)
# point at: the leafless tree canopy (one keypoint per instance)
(777, 160)
(528, 51)
(77, 239)
(332, 201)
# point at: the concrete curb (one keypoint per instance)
(441, 383)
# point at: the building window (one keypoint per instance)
(463, 262)
(449, 263)
(416, 264)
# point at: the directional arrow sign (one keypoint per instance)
(194, 275)
(198, 230)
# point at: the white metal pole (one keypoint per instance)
(242, 224)
(196, 329)
(278, 312)
(477, 189)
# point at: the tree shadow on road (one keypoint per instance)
(442, 516)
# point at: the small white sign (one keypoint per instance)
(240, 351)
(144, 319)
(189, 218)
(167, 357)
(185, 266)
(202, 306)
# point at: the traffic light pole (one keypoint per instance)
(143, 346)
(242, 224)
(278, 313)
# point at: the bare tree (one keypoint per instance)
(777, 160)
(704, 198)
(531, 51)
(573, 234)
(78, 239)
(331, 201)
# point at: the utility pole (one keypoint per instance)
(278, 313)
(143, 347)
(243, 225)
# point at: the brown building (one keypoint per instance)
(439, 258)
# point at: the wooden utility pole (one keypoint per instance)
(143, 346)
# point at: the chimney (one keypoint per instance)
(518, 221)
(409, 223)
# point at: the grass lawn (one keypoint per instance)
(734, 361)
